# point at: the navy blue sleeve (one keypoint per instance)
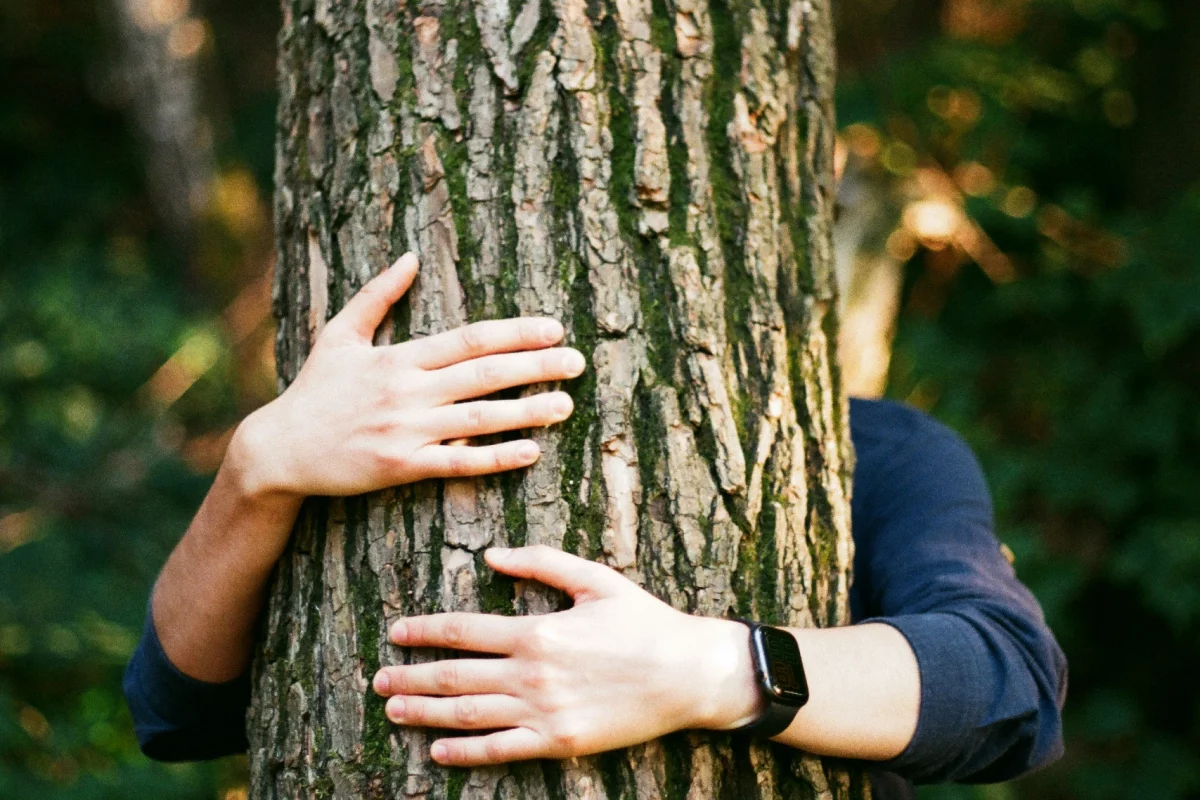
(993, 679)
(179, 718)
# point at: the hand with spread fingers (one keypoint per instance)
(360, 417)
(618, 668)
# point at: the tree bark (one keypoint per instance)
(658, 175)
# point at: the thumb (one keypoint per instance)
(578, 577)
(363, 314)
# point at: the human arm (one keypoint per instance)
(357, 418)
(621, 667)
(991, 679)
(928, 563)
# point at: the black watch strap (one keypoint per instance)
(774, 720)
(776, 716)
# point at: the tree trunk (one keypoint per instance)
(658, 175)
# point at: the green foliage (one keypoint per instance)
(1077, 382)
(93, 488)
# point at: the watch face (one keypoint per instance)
(780, 655)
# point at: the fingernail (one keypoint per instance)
(382, 683)
(528, 452)
(395, 708)
(438, 751)
(573, 363)
(551, 331)
(499, 552)
(398, 632)
(561, 406)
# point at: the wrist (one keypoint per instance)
(250, 466)
(244, 490)
(729, 696)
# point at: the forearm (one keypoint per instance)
(210, 592)
(864, 690)
(864, 693)
(565, 688)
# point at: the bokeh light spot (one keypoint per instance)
(899, 158)
(187, 38)
(901, 245)
(974, 179)
(933, 222)
(30, 359)
(34, 723)
(1096, 66)
(61, 640)
(81, 413)
(863, 140)
(1119, 108)
(1019, 202)
(153, 15)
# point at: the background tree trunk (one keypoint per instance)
(158, 79)
(655, 173)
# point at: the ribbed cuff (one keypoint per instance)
(176, 716)
(949, 654)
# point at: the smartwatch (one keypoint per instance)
(779, 672)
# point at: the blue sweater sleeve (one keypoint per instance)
(993, 679)
(179, 718)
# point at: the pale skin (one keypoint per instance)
(618, 668)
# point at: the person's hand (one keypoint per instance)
(360, 417)
(619, 668)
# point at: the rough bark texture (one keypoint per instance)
(655, 173)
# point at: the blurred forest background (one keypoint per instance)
(1019, 241)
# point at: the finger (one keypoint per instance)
(451, 677)
(445, 461)
(481, 633)
(493, 416)
(517, 744)
(578, 577)
(363, 313)
(484, 338)
(471, 712)
(488, 374)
